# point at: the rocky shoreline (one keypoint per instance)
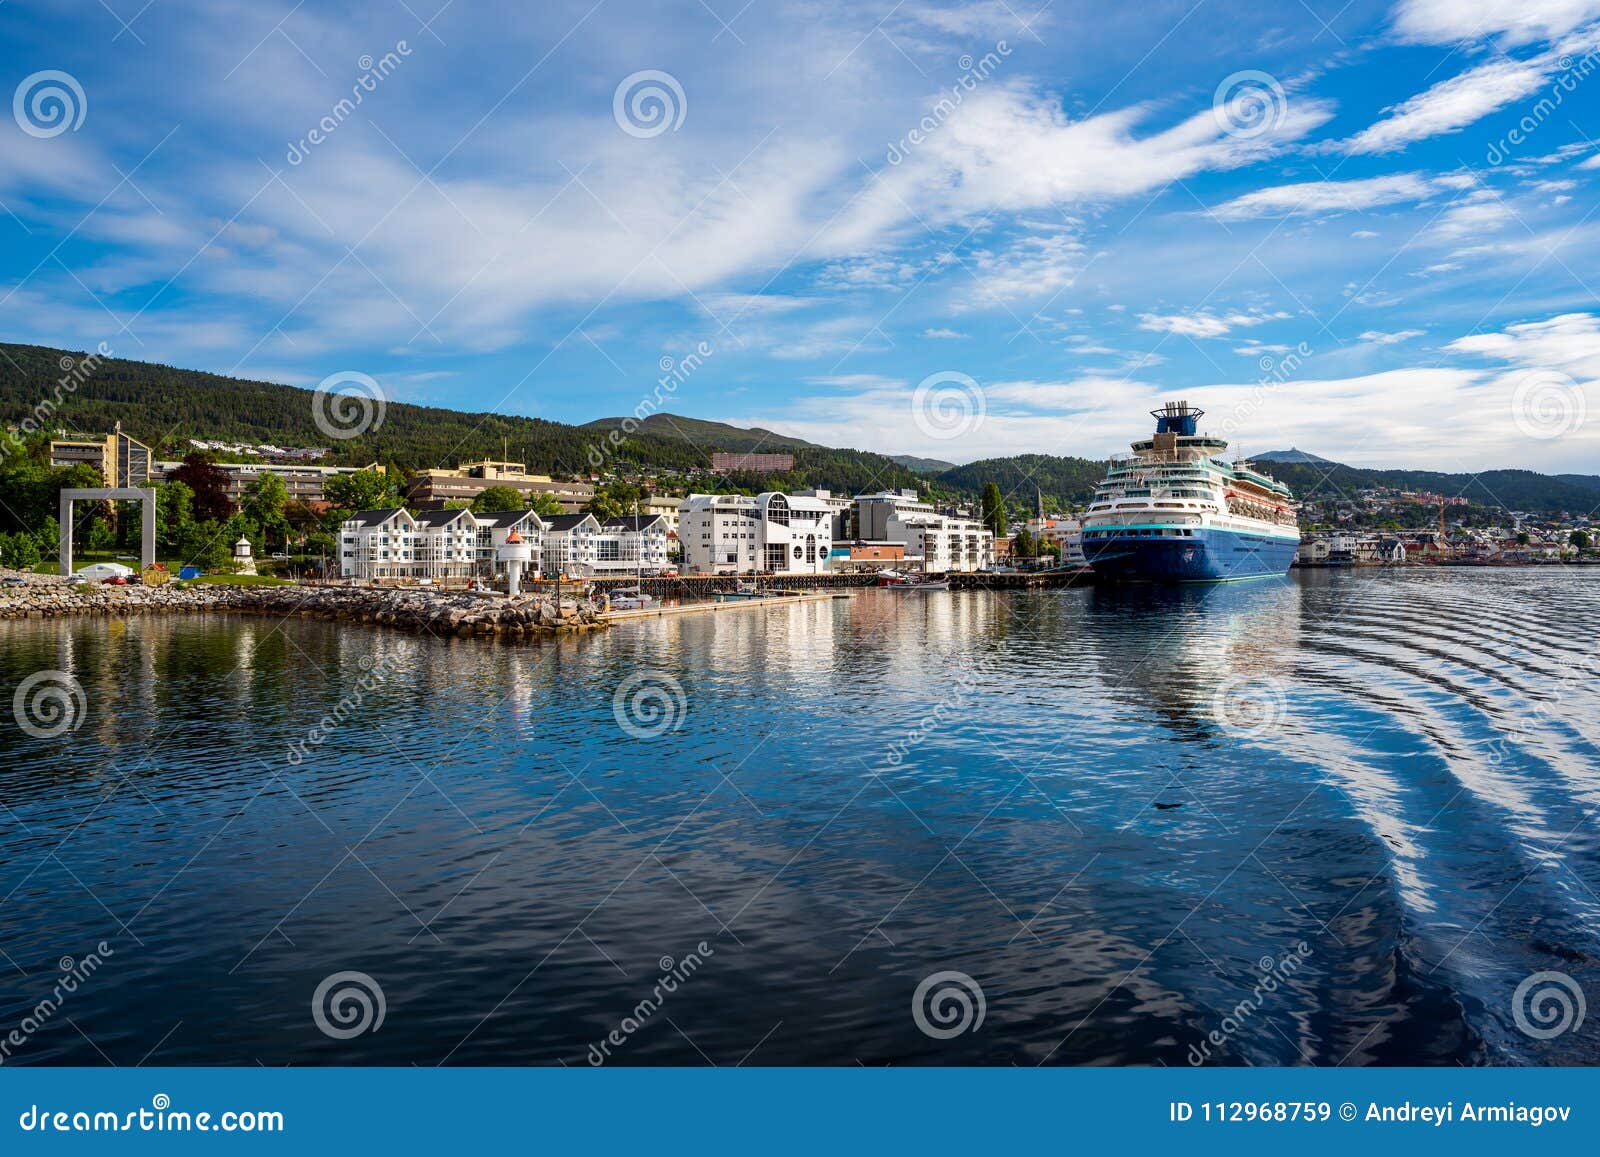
(412, 609)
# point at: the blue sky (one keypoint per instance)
(1367, 229)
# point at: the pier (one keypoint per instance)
(703, 587)
(729, 605)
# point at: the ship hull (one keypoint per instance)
(1211, 555)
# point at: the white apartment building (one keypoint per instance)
(943, 543)
(436, 544)
(631, 544)
(772, 532)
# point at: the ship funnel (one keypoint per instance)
(1177, 418)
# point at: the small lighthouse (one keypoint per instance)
(243, 559)
(516, 554)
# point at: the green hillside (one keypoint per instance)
(705, 434)
(1062, 481)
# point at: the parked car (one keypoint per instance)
(280, 557)
(12, 580)
(116, 580)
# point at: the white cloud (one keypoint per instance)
(1011, 148)
(1378, 337)
(943, 334)
(1314, 197)
(1514, 21)
(1202, 323)
(1569, 343)
(1451, 105)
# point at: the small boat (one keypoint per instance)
(630, 599)
(895, 581)
(744, 590)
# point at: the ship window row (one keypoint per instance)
(1140, 532)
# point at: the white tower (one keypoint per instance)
(516, 554)
(243, 557)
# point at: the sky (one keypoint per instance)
(1364, 229)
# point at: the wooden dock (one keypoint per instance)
(729, 605)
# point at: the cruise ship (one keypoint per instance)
(1174, 511)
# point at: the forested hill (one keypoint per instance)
(1066, 480)
(165, 407)
(1511, 489)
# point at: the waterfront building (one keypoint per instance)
(944, 543)
(772, 532)
(873, 512)
(121, 460)
(569, 546)
(631, 543)
(434, 489)
(437, 545)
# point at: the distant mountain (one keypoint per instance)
(705, 434)
(922, 465)
(1587, 481)
(1290, 456)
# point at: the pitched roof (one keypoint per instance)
(560, 522)
(376, 517)
(632, 522)
(500, 518)
(439, 517)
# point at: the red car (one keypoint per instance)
(116, 580)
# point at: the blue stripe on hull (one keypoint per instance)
(1209, 556)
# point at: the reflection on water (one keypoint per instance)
(1119, 811)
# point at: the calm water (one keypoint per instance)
(1387, 784)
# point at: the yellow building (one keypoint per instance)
(121, 460)
(432, 489)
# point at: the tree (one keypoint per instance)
(1022, 546)
(1579, 539)
(208, 482)
(174, 516)
(497, 498)
(545, 504)
(19, 551)
(360, 490)
(614, 499)
(994, 509)
(264, 500)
